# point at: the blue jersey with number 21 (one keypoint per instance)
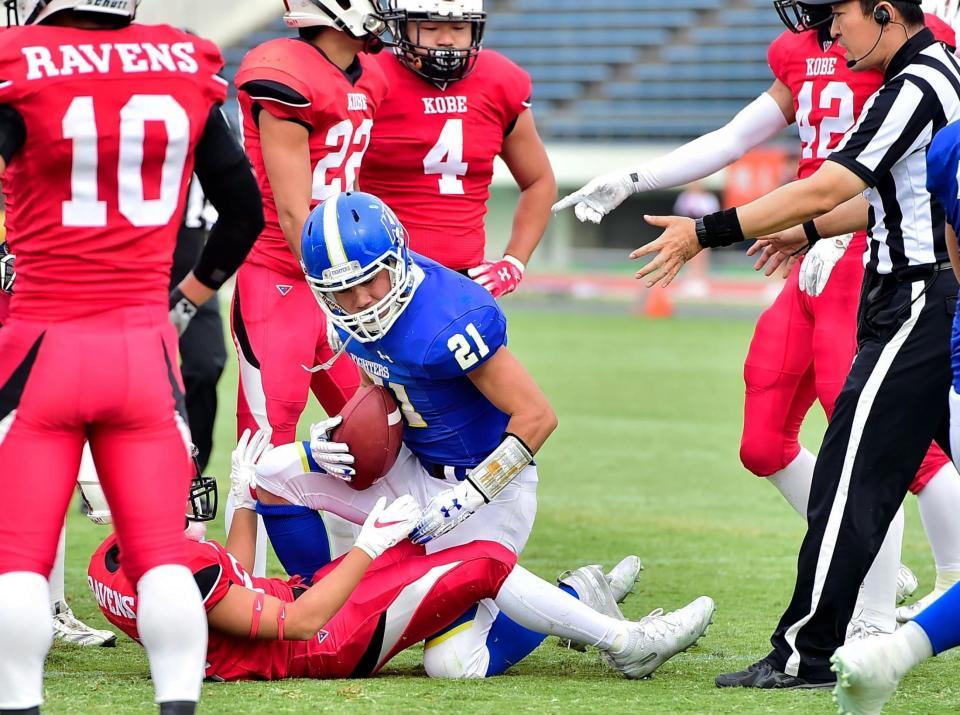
(943, 165)
(450, 327)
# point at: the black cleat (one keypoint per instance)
(178, 707)
(763, 675)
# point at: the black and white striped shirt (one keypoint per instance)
(887, 148)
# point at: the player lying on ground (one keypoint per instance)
(473, 417)
(383, 596)
(453, 107)
(804, 343)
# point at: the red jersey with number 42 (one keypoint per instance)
(293, 80)
(432, 152)
(827, 95)
(97, 190)
(215, 571)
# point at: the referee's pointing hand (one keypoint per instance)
(675, 246)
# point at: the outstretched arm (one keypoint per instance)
(754, 124)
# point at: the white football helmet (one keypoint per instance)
(32, 12)
(358, 18)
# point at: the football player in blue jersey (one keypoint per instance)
(869, 671)
(474, 418)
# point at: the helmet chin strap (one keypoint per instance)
(329, 363)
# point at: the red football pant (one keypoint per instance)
(279, 331)
(111, 379)
(404, 598)
(801, 351)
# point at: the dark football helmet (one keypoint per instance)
(440, 65)
(800, 17)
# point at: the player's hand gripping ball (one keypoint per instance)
(371, 426)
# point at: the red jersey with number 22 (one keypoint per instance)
(431, 156)
(337, 111)
(97, 190)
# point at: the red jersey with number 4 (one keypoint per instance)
(293, 80)
(98, 188)
(215, 571)
(432, 152)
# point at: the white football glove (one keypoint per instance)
(386, 526)
(599, 197)
(446, 510)
(243, 467)
(333, 457)
(819, 262)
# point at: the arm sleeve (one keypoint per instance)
(229, 184)
(13, 132)
(756, 123)
(466, 343)
(897, 121)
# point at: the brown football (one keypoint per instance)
(373, 428)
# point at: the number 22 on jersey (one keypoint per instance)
(833, 124)
(87, 206)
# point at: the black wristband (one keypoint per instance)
(177, 298)
(810, 230)
(719, 229)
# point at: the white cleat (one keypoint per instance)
(945, 580)
(867, 675)
(653, 640)
(69, 629)
(623, 577)
(906, 584)
(593, 590)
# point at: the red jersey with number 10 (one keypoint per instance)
(432, 151)
(98, 188)
(336, 108)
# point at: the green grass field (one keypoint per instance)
(644, 461)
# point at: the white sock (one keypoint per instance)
(26, 632)
(939, 505)
(56, 576)
(173, 629)
(260, 555)
(879, 594)
(912, 648)
(541, 607)
(795, 479)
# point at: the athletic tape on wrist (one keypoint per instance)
(719, 229)
(500, 468)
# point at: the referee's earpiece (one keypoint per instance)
(881, 15)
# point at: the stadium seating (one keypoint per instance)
(625, 70)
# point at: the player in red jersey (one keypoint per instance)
(452, 109)
(803, 345)
(383, 596)
(307, 105)
(102, 123)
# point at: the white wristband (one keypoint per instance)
(515, 262)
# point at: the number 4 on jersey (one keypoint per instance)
(446, 158)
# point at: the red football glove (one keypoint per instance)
(498, 277)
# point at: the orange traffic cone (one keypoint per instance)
(658, 304)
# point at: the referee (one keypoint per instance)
(894, 401)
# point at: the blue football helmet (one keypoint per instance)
(346, 241)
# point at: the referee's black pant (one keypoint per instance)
(893, 404)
